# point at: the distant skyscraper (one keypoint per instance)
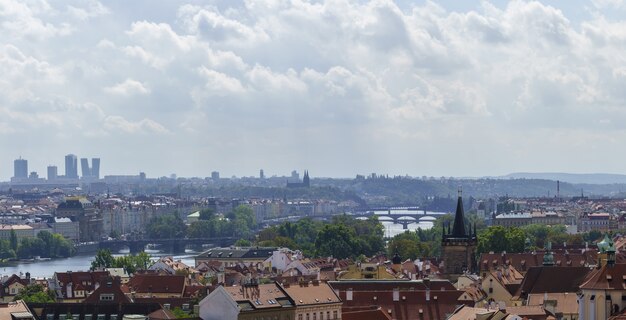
(88, 172)
(261, 174)
(84, 168)
(52, 173)
(71, 166)
(215, 175)
(20, 168)
(95, 168)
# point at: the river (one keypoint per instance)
(45, 269)
(41, 269)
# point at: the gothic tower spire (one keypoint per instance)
(458, 230)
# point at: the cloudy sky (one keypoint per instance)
(464, 88)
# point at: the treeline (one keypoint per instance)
(130, 263)
(530, 237)
(342, 237)
(45, 244)
(238, 223)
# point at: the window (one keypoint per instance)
(113, 317)
(335, 315)
(300, 317)
(13, 290)
(107, 297)
(307, 316)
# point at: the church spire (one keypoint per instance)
(458, 230)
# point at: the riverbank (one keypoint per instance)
(45, 269)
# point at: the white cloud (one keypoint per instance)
(128, 88)
(144, 126)
(308, 79)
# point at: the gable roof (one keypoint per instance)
(552, 279)
(109, 286)
(606, 278)
(315, 293)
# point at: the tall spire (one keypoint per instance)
(458, 230)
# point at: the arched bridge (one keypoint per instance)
(404, 217)
(172, 245)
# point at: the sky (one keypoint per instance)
(336, 87)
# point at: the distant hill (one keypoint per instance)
(585, 178)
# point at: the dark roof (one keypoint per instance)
(108, 286)
(552, 279)
(82, 309)
(238, 253)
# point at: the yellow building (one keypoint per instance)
(500, 286)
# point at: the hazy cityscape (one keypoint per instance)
(312, 160)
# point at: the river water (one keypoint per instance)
(45, 269)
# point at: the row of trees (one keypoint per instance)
(45, 244)
(530, 237)
(343, 237)
(238, 223)
(130, 263)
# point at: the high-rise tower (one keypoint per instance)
(95, 168)
(84, 167)
(20, 168)
(71, 166)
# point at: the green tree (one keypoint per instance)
(6, 252)
(201, 229)
(13, 240)
(516, 239)
(243, 243)
(30, 247)
(166, 227)
(35, 293)
(206, 214)
(180, 314)
(103, 259)
(336, 240)
(493, 239)
(408, 246)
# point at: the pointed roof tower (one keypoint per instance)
(458, 230)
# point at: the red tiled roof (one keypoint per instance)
(367, 313)
(607, 278)
(153, 283)
(413, 299)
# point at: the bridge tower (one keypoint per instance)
(458, 246)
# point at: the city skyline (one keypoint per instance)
(479, 88)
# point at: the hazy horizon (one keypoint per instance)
(339, 88)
